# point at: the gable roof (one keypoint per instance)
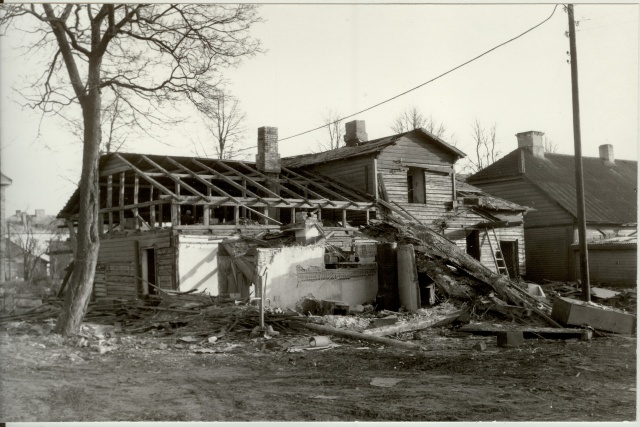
(368, 147)
(610, 188)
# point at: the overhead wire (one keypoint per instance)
(427, 82)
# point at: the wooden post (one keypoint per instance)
(577, 144)
(136, 188)
(344, 217)
(121, 211)
(244, 194)
(110, 200)
(366, 214)
(293, 215)
(152, 210)
(265, 211)
(72, 237)
(175, 214)
(236, 214)
(408, 278)
(206, 209)
(160, 214)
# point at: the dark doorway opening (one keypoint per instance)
(473, 244)
(509, 250)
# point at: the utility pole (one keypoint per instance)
(582, 222)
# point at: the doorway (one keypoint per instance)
(509, 250)
(473, 244)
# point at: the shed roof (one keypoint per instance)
(486, 200)
(610, 188)
(368, 147)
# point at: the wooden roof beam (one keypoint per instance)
(148, 178)
(274, 181)
(251, 180)
(227, 179)
(202, 180)
(173, 177)
(354, 192)
(320, 186)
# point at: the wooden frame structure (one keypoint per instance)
(139, 191)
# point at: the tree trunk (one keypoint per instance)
(88, 236)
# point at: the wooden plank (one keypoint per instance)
(360, 336)
(528, 331)
(110, 200)
(411, 326)
(121, 201)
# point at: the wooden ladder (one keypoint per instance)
(498, 259)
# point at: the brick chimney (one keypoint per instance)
(355, 133)
(533, 141)
(268, 158)
(606, 153)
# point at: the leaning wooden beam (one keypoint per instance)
(360, 336)
(225, 178)
(274, 203)
(312, 182)
(344, 187)
(269, 179)
(148, 178)
(306, 191)
(408, 213)
(251, 180)
(208, 184)
(172, 177)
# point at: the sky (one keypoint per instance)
(347, 58)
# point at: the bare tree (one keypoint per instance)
(413, 118)
(333, 122)
(549, 145)
(224, 121)
(485, 147)
(157, 53)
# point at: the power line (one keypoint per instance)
(427, 82)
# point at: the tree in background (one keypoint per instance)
(146, 55)
(335, 130)
(224, 121)
(412, 118)
(485, 149)
(549, 145)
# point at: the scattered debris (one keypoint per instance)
(480, 346)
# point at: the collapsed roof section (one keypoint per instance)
(152, 190)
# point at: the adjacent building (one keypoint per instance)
(545, 182)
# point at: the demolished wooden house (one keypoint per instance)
(164, 217)
(414, 173)
(185, 224)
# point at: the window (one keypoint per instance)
(415, 186)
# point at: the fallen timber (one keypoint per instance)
(435, 254)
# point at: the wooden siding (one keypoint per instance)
(414, 149)
(548, 252)
(611, 267)
(466, 217)
(120, 257)
(165, 265)
(547, 212)
(351, 171)
(100, 282)
(438, 189)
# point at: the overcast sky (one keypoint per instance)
(349, 57)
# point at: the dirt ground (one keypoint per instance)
(141, 378)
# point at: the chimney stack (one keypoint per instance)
(533, 141)
(19, 213)
(606, 153)
(39, 213)
(268, 158)
(355, 133)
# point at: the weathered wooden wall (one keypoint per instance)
(611, 266)
(549, 255)
(119, 259)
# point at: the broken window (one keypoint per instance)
(415, 186)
